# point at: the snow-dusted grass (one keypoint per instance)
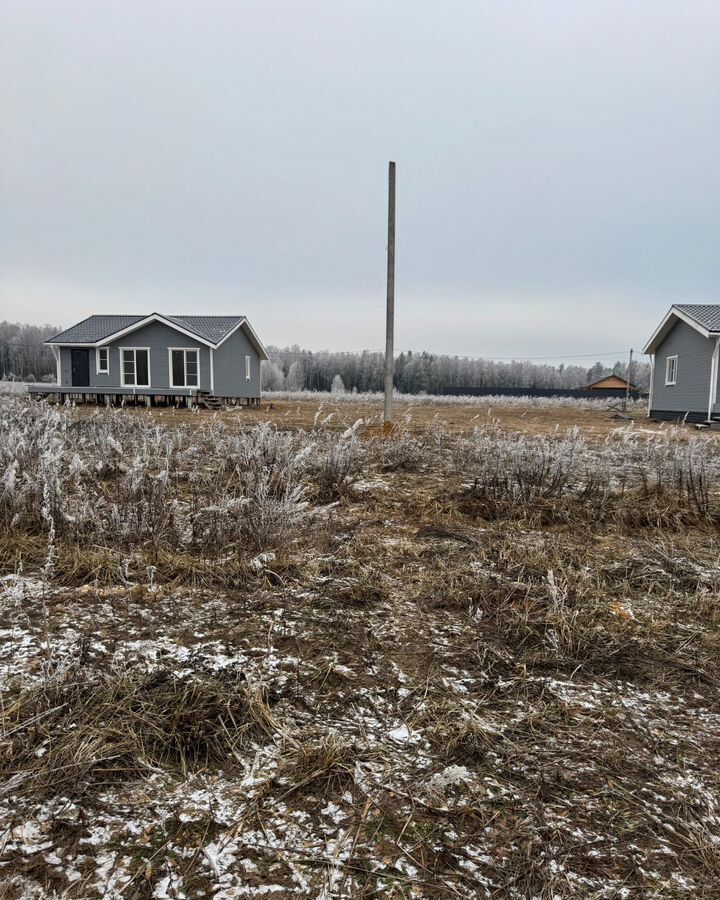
(237, 661)
(638, 407)
(13, 387)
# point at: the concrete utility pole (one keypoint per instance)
(390, 321)
(629, 375)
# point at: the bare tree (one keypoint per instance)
(24, 356)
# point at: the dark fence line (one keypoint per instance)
(580, 393)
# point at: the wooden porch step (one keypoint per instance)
(209, 402)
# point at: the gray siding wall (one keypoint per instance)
(694, 353)
(158, 337)
(229, 367)
(65, 371)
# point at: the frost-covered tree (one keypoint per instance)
(273, 377)
(338, 385)
(596, 372)
(295, 379)
(427, 372)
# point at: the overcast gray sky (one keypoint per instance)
(558, 166)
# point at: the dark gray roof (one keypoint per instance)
(97, 328)
(212, 328)
(94, 328)
(705, 314)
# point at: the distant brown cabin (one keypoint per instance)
(610, 383)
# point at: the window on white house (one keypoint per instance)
(135, 367)
(247, 368)
(102, 358)
(184, 368)
(671, 364)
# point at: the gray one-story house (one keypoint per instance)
(155, 356)
(684, 352)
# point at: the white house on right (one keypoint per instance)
(684, 353)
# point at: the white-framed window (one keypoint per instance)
(184, 367)
(135, 366)
(247, 368)
(102, 360)
(671, 365)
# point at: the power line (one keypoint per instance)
(614, 353)
(9, 348)
(611, 354)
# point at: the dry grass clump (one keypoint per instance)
(20, 550)
(357, 591)
(457, 732)
(342, 582)
(399, 452)
(334, 464)
(191, 570)
(84, 729)
(681, 582)
(322, 767)
(75, 566)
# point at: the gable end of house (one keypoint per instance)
(684, 366)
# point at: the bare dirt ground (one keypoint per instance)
(248, 661)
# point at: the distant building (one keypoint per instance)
(684, 352)
(210, 358)
(611, 383)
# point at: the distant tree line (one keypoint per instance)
(294, 369)
(24, 355)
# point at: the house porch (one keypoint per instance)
(128, 396)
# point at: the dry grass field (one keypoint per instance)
(454, 418)
(271, 653)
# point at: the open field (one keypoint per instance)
(444, 413)
(292, 658)
(456, 419)
(413, 413)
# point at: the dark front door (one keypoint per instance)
(80, 362)
(178, 368)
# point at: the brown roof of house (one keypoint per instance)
(610, 381)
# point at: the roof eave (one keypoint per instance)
(158, 317)
(254, 339)
(53, 339)
(664, 327)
